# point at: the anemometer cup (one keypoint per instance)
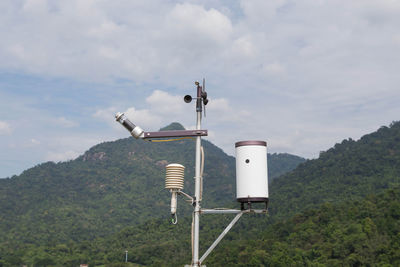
(187, 98)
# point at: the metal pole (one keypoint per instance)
(196, 214)
(230, 211)
(126, 256)
(222, 211)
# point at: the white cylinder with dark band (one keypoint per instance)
(251, 171)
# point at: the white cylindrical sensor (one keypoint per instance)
(251, 171)
(174, 202)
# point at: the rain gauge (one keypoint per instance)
(251, 174)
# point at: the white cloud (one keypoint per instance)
(66, 123)
(61, 156)
(35, 142)
(259, 12)
(30, 143)
(164, 103)
(221, 110)
(274, 69)
(143, 117)
(68, 38)
(5, 128)
(174, 40)
(244, 47)
(193, 24)
(107, 115)
(301, 75)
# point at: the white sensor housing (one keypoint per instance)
(251, 171)
(174, 181)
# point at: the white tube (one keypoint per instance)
(173, 202)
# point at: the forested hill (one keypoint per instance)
(364, 232)
(349, 198)
(111, 186)
(349, 170)
(279, 164)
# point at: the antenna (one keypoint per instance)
(251, 173)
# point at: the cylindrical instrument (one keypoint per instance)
(251, 171)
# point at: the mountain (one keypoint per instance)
(321, 213)
(348, 171)
(111, 186)
(362, 232)
(342, 208)
(281, 163)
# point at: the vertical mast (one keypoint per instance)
(198, 181)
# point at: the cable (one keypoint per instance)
(201, 172)
(192, 235)
(167, 140)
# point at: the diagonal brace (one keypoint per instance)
(230, 225)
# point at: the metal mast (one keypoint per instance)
(198, 181)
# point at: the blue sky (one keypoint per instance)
(301, 75)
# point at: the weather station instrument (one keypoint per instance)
(251, 174)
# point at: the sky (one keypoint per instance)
(301, 75)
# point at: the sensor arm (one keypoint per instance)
(138, 132)
(186, 195)
(181, 133)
